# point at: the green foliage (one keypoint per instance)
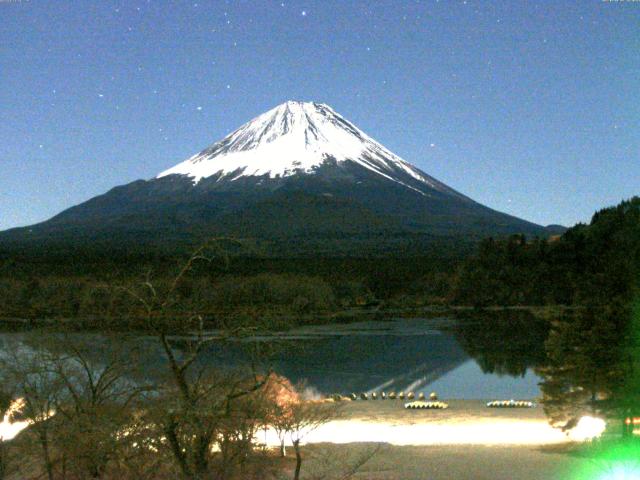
(301, 293)
(588, 265)
(586, 365)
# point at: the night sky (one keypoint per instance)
(532, 108)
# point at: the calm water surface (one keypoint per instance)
(416, 355)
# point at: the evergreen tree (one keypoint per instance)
(587, 367)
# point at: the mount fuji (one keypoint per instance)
(299, 174)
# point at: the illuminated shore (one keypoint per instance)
(467, 441)
(465, 422)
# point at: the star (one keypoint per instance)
(304, 13)
(199, 108)
(432, 145)
(228, 87)
(100, 95)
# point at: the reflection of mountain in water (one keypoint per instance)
(361, 363)
(403, 355)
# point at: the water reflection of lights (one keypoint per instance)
(516, 432)
(8, 428)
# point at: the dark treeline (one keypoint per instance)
(587, 265)
(81, 283)
(593, 264)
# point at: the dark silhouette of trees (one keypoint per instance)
(590, 265)
(506, 343)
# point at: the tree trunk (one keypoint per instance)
(44, 443)
(283, 449)
(176, 448)
(296, 447)
(3, 459)
(201, 469)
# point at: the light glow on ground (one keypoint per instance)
(503, 432)
(621, 472)
(587, 428)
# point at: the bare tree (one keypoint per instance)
(196, 409)
(34, 382)
(95, 407)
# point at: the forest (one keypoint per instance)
(588, 265)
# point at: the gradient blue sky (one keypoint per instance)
(532, 108)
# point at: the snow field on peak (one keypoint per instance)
(294, 137)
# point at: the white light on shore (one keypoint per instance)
(587, 428)
(517, 432)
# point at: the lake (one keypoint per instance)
(419, 355)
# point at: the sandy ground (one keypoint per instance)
(465, 442)
(452, 462)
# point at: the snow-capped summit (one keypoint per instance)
(297, 137)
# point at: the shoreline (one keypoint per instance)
(343, 317)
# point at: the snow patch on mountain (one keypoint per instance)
(296, 137)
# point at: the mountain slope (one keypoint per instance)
(297, 173)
